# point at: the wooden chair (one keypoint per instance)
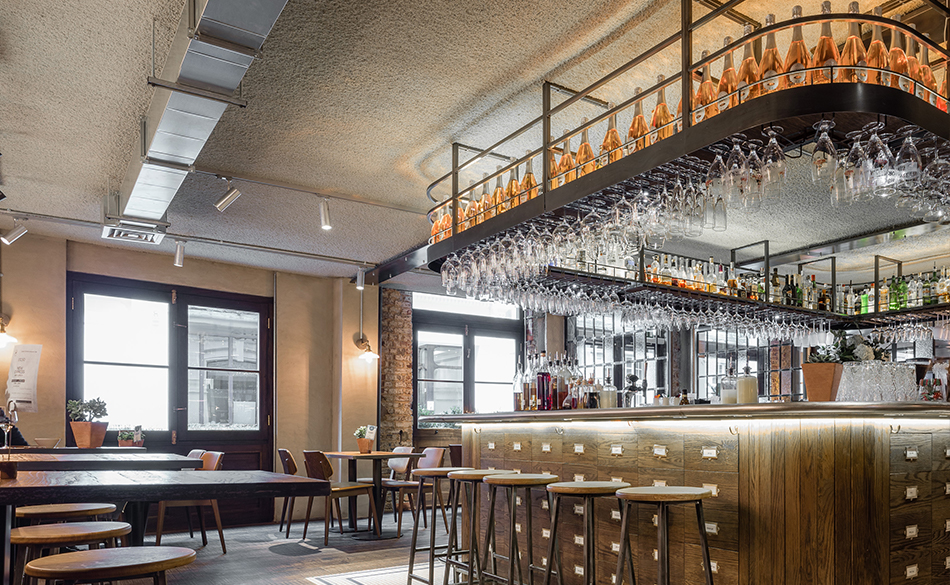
(318, 467)
(212, 460)
(290, 468)
(400, 488)
(111, 564)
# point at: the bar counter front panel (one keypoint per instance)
(798, 498)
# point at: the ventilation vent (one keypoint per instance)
(142, 235)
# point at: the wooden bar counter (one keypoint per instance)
(805, 493)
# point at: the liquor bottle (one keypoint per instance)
(566, 166)
(638, 137)
(942, 103)
(902, 293)
(545, 396)
(531, 376)
(897, 59)
(684, 397)
(728, 82)
(471, 209)
(564, 377)
(722, 285)
(943, 290)
(513, 189)
(611, 149)
(705, 104)
(850, 299)
(913, 65)
(799, 290)
(666, 274)
(826, 51)
(883, 298)
(748, 76)
(662, 118)
(760, 288)
(775, 288)
(913, 292)
(935, 287)
(529, 185)
(788, 291)
(489, 205)
(853, 55)
(771, 65)
(585, 155)
(675, 279)
(553, 170)
(927, 88)
(824, 301)
(877, 55)
(711, 277)
(925, 291)
(872, 307)
(518, 387)
(608, 396)
(798, 58)
(731, 282)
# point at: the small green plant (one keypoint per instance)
(360, 433)
(129, 436)
(86, 410)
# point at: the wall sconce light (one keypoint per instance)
(362, 341)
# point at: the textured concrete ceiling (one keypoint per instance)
(350, 98)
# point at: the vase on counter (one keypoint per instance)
(821, 381)
(365, 445)
(88, 435)
(877, 381)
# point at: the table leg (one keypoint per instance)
(352, 500)
(378, 491)
(6, 517)
(136, 513)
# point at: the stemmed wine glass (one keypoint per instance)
(824, 157)
(774, 169)
(7, 424)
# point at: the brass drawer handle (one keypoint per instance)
(911, 531)
(615, 515)
(618, 449)
(615, 547)
(516, 446)
(712, 528)
(911, 571)
(911, 453)
(545, 447)
(710, 453)
(660, 451)
(491, 446)
(579, 540)
(579, 448)
(545, 533)
(910, 493)
(579, 509)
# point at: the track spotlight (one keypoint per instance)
(14, 234)
(228, 198)
(360, 279)
(325, 214)
(179, 253)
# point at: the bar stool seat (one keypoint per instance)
(436, 471)
(111, 564)
(49, 512)
(520, 479)
(586, 490)
(31, 541)
(477, 474)
(662, 497)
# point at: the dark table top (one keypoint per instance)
(82, 461)
(53, 487)
(32, 449)
(371, 455)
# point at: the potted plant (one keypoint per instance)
(365, 445)
(127, 439)
(88, 433)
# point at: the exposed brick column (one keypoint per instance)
(395, 344)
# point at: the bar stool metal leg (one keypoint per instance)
(453, 549)
(626, 555)
(663, 545)
(552, 546)
(420, 501)
(490, 544)
(474, 560)
(707, 564)
(514, 558)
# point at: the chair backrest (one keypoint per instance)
(212, 460)
(287, 461)
(399, 464)
(195, 453)
(317, 465)
(455, 455)
(431, 457)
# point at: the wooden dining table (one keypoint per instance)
(100, 461)
(377, 457)
(140, 489)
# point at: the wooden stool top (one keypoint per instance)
(110, 563)
(68, 533)
(664, 494)
(436, 471)
(476, 474)
(64, 511)
(587, 488)
(520, 479)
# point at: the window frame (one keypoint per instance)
(179, 299)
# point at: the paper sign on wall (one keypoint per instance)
(371, 432)
(21, 383)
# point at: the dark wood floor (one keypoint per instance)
(259, 554)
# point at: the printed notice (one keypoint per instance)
(21, 383)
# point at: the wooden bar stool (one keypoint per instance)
(432, 475)
(663, 497)
(511, 482)
(31, 541)
(60, 512)
(470, 480)
(587, 491)
(111, 564)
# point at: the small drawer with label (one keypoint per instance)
(660, 448)
(911, 565)
(912, 527)
(723, 485)
(911, 452)
(724, 563)
(908, 489)
(713, 450)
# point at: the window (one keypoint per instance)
(466, 354)
(171, 359)
(777, 365)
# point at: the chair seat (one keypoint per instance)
(342, 486)
(110, 563)
(476, 474)
(63, 511)
(401, 483)
(436, 471)
(68, 533)
(659, 494)
(520, 479)
(587, 488)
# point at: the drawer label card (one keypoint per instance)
(946, 488)
(491, 446)
(579, 509)
(712, 528)
(911, 531)
(516, 446)
(518, 528)
(655, 520)
(615, 515)
(659, 483)
(714, 488)
(911, 571)
(946, 527)
(578, 447)
(615, 546)
(946, 563)
(660, 451)
(947, 455)
(544, 505)
(578, 477)
(579, 570)
(910, 453)
(910, 493)
(545, 447)
(544, 561)
(656, 557)
(516, 470)
(545, 533)
(714, 566)
(613, 578)
(617, 479)
(616, 449)
(491, 469)
(578, 540)
(517, 500)
(710, 452)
